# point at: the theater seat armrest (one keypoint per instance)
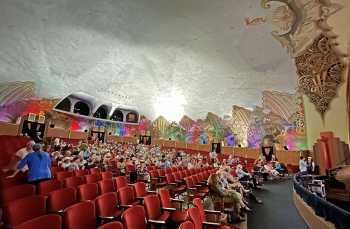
(156, 221)
(192, 189)
(211, 224)
(140, 198)
(169, 209)
(153, 192)
(172, 183)
(106, 217)
(177, 200)
(126, 206)
(212, 212)
(198, 185)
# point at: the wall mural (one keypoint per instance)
(280, 116)
(302, 29)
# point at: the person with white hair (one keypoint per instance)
(19, 155)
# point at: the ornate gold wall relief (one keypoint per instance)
(302, 29)
(320, 73)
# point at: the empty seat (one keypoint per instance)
(112, 225)
(61, 199)
(154, 211)
(45, 187)
(107, 206)
(24, 209)
(81, 172)
(91, 178)
(95, 171)
(17, 192)
(107, 175)
(106, 186)
(80, 216)
(127, 197)
(177, 215)
(87, 192)
(42, 222)
(134, 218)
(140, 190)
(120, 182)
(73, 182)
(187, 225)
(63, 175)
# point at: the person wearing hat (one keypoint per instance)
(39, 165)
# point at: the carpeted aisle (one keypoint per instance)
(278, 210)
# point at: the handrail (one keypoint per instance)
(323, 208)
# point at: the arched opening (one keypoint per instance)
(81, 108)
(132, 117)
(101, 112)
(64, 105)
(117, 116)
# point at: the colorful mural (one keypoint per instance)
(281, 116)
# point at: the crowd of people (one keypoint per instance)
(232, 181)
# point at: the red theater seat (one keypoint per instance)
(45, 187)
(61, 199)
(134, 218)
(106, 206)
(154, 211)
(24, 209)
(187, 225)
(120, 182)
(92, 178)
(73, 182)
(80, 216)
(127, 197)
(106, 186)
(95, 171)
(63, 175)
(140, 190)
(81, 172)
(112, 225)
(42, 222)
(177, 215)
(88, 192)
(107, 175)
(17, 192)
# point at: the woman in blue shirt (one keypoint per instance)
(39, 164)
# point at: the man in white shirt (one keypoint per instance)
(20, 154)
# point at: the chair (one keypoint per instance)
(81, 172)
(206, 213)
(92, 178)
(45, 187)
(87, 192)
(134, 218)
(120, 182)
(17, 192)
(27, 208)
(61, 199)
(112, 225)
(107, 175)
(73, 182)
(177, 215)
(187, 225)
(195, 215)
(127, 197)
(80, 216)
(140, 190)
(95, 171)
(106, 207)
(154, 211)
(63, 175)
(106, 186)
(42, 222)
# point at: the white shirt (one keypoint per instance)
(302, 166)
(22, 153)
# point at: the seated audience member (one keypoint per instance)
(245, 176)
(218, 192)
(39, 165)
(310, 164)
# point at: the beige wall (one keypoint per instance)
(336, 119)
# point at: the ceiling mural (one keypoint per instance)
(175, 58)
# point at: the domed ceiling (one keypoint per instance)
(166, 57)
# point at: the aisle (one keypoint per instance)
(278, 210)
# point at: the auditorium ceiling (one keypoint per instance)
(166, 57)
